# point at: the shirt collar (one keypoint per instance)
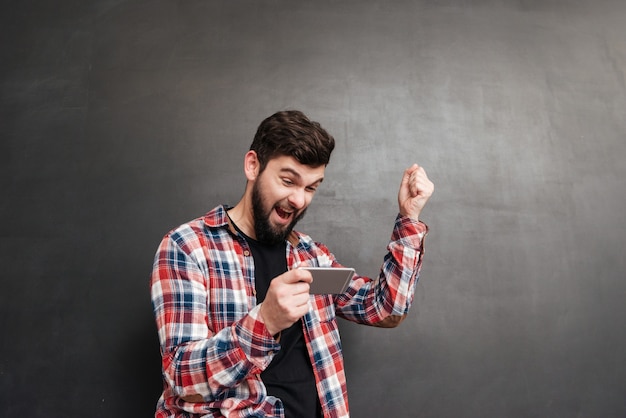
(218, 218)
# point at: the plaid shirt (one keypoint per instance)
(214, 345)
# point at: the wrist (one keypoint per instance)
(411, 216)
(271, 330)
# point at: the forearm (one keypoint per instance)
(372, 301)
(400, 271)
(210, 365)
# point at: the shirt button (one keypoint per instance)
(246, 253)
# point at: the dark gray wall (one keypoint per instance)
(122, 119)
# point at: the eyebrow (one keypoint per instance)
(298, 175)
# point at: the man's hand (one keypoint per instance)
(415, 190)
(287, 300)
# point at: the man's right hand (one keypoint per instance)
(287, 300)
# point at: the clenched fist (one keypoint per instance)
(415, 190)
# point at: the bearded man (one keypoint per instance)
(240, 333)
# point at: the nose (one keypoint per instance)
(298, 198)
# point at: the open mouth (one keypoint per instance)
(283, 214)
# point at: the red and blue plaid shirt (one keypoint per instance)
(213, 343)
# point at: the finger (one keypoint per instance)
(300, 288)
(423, 183)
(419, 182)
(301, 301)
(409, 173)
(414, 183)
(406, 178)
(297, 275)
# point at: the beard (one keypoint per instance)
(267, 233)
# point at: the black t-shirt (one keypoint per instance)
(289, 377)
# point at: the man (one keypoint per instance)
(240, 334)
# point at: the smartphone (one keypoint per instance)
(330, 280)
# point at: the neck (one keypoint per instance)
(241, 215)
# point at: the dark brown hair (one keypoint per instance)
(291, 133)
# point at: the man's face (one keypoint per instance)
(280, 196)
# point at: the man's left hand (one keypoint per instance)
(415, 190)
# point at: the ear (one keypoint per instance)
(251, 165)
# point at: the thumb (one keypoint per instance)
(406, 178)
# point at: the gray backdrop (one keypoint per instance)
(122, 119)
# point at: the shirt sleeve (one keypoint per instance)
(195, 359)
(370, 301)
